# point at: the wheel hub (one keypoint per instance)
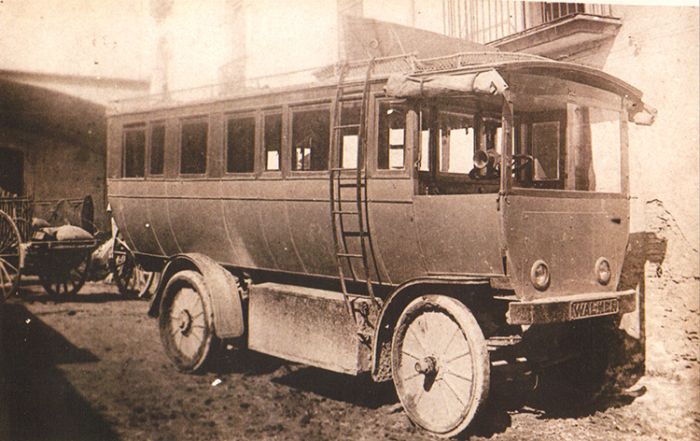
(427, 366)
(184, 321)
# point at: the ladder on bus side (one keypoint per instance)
(355, 206)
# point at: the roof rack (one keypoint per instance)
(316, 76)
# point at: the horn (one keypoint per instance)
(481, 159)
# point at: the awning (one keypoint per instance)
(487, 82)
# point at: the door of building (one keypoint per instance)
(11, 171)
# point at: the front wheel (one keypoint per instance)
(440, 364)
(186, 321)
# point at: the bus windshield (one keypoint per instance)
(567, 136)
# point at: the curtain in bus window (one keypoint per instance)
(157, 149)
(310, 139)
(392, 135)
(134, 153)
(193, 149)
(272, 141)
(240, 145)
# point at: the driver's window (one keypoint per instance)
(459, 152)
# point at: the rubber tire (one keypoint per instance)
(481, 367)
(195, 281)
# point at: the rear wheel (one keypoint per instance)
(440, 364)
(186, 321)
(10, 272)
(64, 275)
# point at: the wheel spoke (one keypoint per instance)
(447, 371)
(454, 392)
(457, 357)
(447, 346)
(405, 352)
(415, 337)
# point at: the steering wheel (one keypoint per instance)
(520, 161)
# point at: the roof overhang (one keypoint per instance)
(563, 37)
(488, 79)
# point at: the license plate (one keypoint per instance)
(593, 308)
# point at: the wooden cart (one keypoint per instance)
(61, 265)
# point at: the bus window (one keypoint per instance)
(193, 147)
(310, 137)
(460, 151)
(157, 148)
(391, 145)
(567, 140)
(349, 138)
(240, 144)
(134, 151)
(272, 140)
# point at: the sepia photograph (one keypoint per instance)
(234, 220)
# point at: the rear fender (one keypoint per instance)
(460, 288)
(224, 292)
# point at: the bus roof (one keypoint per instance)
(396, 68)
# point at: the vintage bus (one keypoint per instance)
(415, 219)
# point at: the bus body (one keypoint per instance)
(405, 223)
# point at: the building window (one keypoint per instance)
(157, 148)
(272, 140)
(240, 144)
(134, 151)
(391, 144)
(484, 21)
(193, 147)
(310, 137)
(553, 11)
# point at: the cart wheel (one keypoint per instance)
(122, 264)
(186, 321)
(440, 364)
(149, 281)
(10, 271)
(60, 280)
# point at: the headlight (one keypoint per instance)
(603, 271)
(539, 275)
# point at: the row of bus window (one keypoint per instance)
(310, 142)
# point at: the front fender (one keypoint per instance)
(394, 306)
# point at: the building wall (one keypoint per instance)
(57, 169)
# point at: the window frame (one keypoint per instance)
(280, 111)
(255, 115)
(289, 151)
(126, 129)
(411, 137)
(149, 146)
(181, 123)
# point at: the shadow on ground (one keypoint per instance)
(37, 402)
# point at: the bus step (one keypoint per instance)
(355, 234)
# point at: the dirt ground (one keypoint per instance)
(93, 369)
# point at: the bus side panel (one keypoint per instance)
(196, 218)
(459, 234)
(398, 253)
(308, 215)
(156, 191)
(274, 222)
